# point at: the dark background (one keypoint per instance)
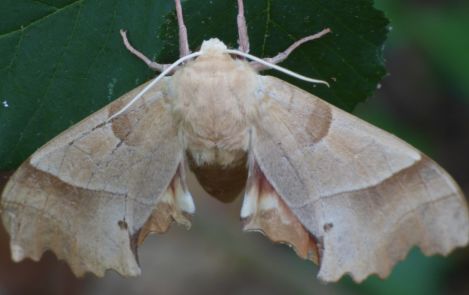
(424, 100)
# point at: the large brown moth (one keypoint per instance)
(346, 195)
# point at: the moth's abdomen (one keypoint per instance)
(222, 182)
(219, 164)
(214, 97)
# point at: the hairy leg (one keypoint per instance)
(283, 55)
(153, 65)
(183, 41)
(243, 40)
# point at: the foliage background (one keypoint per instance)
(424, 99)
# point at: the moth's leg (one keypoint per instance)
(283, 55)
(183, 41)
(243, 40)
(151, 64)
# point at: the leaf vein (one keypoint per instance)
(346, 27)
(41, 19)
(41, 101)
(266, 28)
(15, 55)
(108, 37)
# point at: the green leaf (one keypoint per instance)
(62, 60)
(350, 58)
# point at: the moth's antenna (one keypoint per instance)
(275, 67)
(154, 81)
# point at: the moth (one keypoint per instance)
(346, 195)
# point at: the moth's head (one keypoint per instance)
(213, 46)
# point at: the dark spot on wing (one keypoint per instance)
(328, 226)
(122, 224)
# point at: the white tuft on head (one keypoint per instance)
(210, 46)
(213, 45)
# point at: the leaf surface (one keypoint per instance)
(62, 60)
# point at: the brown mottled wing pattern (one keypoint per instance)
(88, 192)
(366, 196)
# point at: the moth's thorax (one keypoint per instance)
(214, 98)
